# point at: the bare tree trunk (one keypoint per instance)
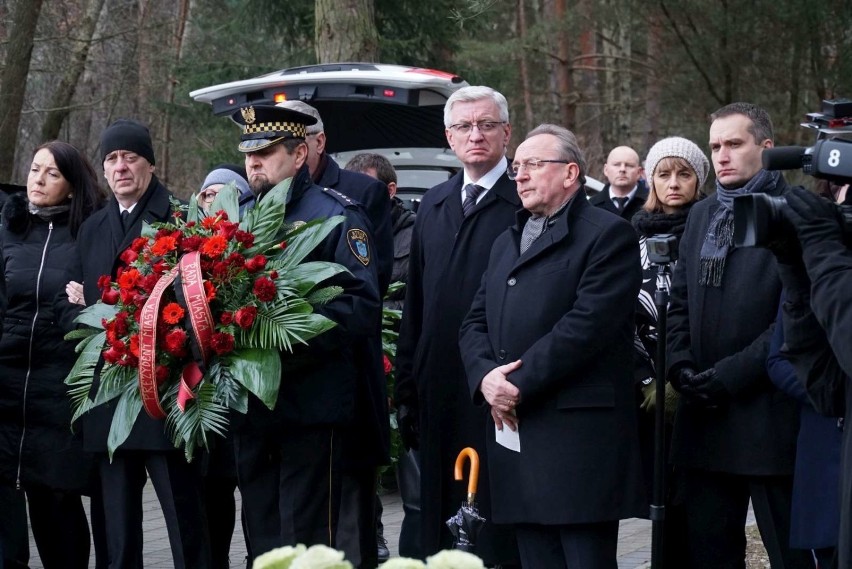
(564, 86)
(653, 90)
(60, 103)
(524, 71)
(179, 37)
(13, 82)
(345, 30)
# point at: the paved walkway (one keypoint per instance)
(634, 543)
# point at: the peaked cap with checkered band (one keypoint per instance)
(265, 125)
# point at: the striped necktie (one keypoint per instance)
(471, 192)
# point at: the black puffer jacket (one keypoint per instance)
(36, 442)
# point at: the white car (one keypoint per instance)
(393, 110)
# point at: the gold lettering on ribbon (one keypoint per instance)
(196, 301)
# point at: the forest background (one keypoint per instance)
(614, 71)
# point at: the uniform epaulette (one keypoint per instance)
(344, 200)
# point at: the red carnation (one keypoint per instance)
(220, 270)
(226, 318)
(222, 343)
(191, 243)
(109, 296)
(160, 267)
(273, 275)
(162, 373)
(236, 260)
(388, 364)
(128, 256)
(127, 297)
(112, 356)
(103, 282)
(244, 317)
(149, 282)
(139, 244)
(134, 345)
(209, 290)
(119, 323)
(210, 222)
(256, 263)
(174, 342)
(264, 289)
(245, 238)
(228, 229)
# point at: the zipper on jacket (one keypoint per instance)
(30, 357)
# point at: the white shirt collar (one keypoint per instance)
(487, 181)
(628, 196)
(122, 209)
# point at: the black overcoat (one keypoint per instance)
(100, 241)
(36, 443)
(729, 328)
(565, 309)
(448, 256)
(602, 200)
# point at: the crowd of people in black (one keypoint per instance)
(529, 332)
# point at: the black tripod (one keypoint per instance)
(658, 501)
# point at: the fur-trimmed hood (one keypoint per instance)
(15, 216)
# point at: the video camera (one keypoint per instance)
(758, 220)
(662, 248)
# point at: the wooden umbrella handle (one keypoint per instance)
(473, 481)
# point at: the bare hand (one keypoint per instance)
(74, 290)
(508, 419)
(498, 391)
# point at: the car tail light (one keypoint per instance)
(279, 97)
(389, 93)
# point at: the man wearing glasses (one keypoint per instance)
(548, 346)
(456, 225)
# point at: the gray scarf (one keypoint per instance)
(720, 233)
(47, 213)
(536, 225)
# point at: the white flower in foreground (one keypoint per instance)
(454, 559)
(280, 558)
(321, 557)
(403, 563)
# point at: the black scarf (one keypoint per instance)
(648, 223)
(720, 233)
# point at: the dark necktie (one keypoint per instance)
(471, 192)
(620, 203)
(125, 219)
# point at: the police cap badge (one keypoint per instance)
(265, 125)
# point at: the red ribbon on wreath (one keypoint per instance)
(202, 327)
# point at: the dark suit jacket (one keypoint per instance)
(449, 253)
(100, 241)
(565, 308)
(603, 201)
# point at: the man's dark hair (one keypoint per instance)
(366, 161)
(761, 125)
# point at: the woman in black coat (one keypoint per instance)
(38, 452)
(677, 168)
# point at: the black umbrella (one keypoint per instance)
(466, 524)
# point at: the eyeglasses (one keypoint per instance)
(532, 164)
(484, 126)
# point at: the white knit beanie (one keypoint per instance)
(681, 148)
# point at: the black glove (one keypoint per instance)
(682, 377)
(706, 389)
(797, 284)
(815, 218)
(408, 422)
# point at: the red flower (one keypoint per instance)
(222, 343)
(264, 289)
(103, 282)
(173, 313)
(162, 374)
(139, 244)
(256, 263)
(128, 279)
(236, 260)
(164, 245)
(112, 356)
(209, 290)
(128, 256)
(174, 342)
(228, 229)
(109, 296)
(210, 222)
(222, 214)
(273, 275)
(191, 243)
(127, 297)
(226, 318)
(162, 233)
(149, 282)
(220, 270)
(244, 317)
(134, 345)
(119, 324)
(214, 246)
(160, 267)
(388, 364)
(245, 238)
(282, 245)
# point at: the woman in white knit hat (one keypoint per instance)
(676, 170)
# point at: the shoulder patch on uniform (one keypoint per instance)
(342, 198)
(359, 245)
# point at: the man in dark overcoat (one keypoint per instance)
(734, 433)
(128, 159)
(289, 460)
(367, 440)
(625, 192)
(449, 251)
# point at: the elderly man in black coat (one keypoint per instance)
(734, 433)
(565, 276)
(128, 159)
(456, 225)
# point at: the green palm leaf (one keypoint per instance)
(282, 324)
(126, 413)
(305, 239)
(92, 315)
(303, 278)
(203, 415)
(227, 199)
(264, 219)
(260, 372)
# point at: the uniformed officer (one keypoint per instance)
(288, 459)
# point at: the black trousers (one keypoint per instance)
(13, 528)
(178, 487)
(574, 546)
(290, 483)
(356, 528)
(716, 509)
(60, 528)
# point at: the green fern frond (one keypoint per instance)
(202, 417)
(324, 295)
